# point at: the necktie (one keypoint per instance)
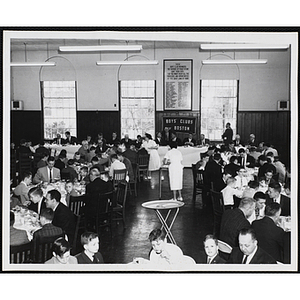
(245, 259)
(94, 259)
(50, 175)
(208, 260)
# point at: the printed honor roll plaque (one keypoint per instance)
(178, 84)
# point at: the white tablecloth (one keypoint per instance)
(190, 154)
(71, 149)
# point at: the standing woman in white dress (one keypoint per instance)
(173, 158)
(154, 159)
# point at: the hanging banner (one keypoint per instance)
(180, 124)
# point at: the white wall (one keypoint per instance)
(260, 86)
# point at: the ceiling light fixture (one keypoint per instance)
(126, 62)
(241, 46)
(233, 61)
(32, 64)
(100, 48)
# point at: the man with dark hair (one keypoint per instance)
(270, 236)
(233, 166)
(21, 190)
(48, 229)
(72, 140)
(69, 172)
(245, 160)
(213, 169)
(38, 201)
(42, 149)
(63, 216)
(17, 236)
(233, 220)
(248, 251)
(48, 173)
(43, 160)
(264, 165)
(227, 135)
(274, 195)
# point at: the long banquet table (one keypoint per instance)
(190, 154)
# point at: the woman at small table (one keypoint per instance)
(174, 158)
(154, 159)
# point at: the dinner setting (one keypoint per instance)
(165, 164)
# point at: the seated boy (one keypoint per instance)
(212, 250)
(229, 191)
(90, 254)
(70, 191)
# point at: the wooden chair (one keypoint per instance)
(76, 205)
(119, 209)
(21, 254)
(224, 249)
(134, 180)
(118, 175)
(25, 163)
(142, 164)
(42, 248)
(104, 212)
(218, 209)
(198, 181)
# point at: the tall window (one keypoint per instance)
(59, 108)
(137, 102)
(219, 99)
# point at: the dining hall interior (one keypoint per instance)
(97, 84)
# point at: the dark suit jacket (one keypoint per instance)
(165, 139)
(42, 149)
(203, 142)
(59, 164)
(34, 206)
(126, 143)
(64, 218)
(270, 237)
(260, 257)
(262, 169)
(71, 140)
(58, 141)
(233, 220)
(249, 159)
(69, 172)
(48, 230)
(93, 189)
(186, 140)
(285, 204)
(232, 169)
(213, 171)
(131, 155)
(227, 136)
(82, 258)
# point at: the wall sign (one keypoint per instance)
(180, 124)
(178, 84)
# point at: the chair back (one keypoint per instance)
(76, 204)
(198, 176)
(143, 161)
(217, 203)
(118, 176)
(25, 163)
(121, 193)
(20, 254)
(224, 247)
(42, 248)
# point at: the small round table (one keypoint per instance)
(169, 205)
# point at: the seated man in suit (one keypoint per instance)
(63, 216)
(48, 229)
(270, 236)
(233, 220)
(237, 141)
(274, 195)
(22, 189)
(17, 236)
(48, 173)
(174, 138)
(126, 141)
(98, 185)
(58, 140)
(264, 165)
(131, 154)
(252, 140)
(233, 167)
(38, 201)
(189, 141)
(69, 172)
(203, 141)
(248, 251)
(245, 160)
(72, 140)
(84, 150)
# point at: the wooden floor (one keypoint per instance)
(189, 229)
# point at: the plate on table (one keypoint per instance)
(162, 204)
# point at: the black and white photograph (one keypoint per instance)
(149, 151)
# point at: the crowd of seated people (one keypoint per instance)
(250, 177)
